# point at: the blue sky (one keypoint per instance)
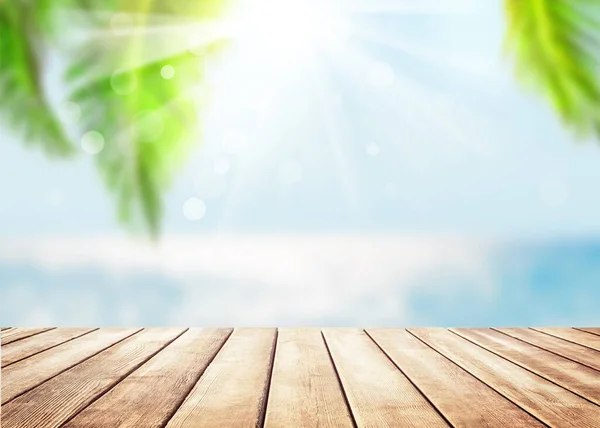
(416, 129)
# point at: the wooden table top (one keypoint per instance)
(331, 377)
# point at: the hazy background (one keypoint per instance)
(410, 184)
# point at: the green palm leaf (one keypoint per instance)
(146, 118)
(556, 44)
(140, 125)
(23, 103)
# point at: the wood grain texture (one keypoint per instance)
(305, 390)
(30, 372)
(232, 391)
(572, 335)
(591, 330)
(14, 334)
(570, 375)
(6, 328)
(548, 402)
(51, 404)
(22, 349)
(450, 388)
(378, 393)
(149, 396)
(579, 353)
(299, 377)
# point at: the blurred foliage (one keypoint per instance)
(148, 122)
(556, 46)
(22, 99)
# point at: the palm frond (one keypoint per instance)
(556, 45)
(148, 122)
(23, 103)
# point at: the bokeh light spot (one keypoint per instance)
(149, 126)
(372, 149)
(92, 142)
(194, 209)
(123, 82)
(167, 72)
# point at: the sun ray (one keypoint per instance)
(276, 46)
(465, 65)
(422, 105)
(407, 7)
(481, 80)
(328, 111)
(158, 43)
(331, 118)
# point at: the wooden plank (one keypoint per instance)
(451, 389)
(378, 393)
(592, 330)
(572, 335)
(15, 334)
(570, 375)
(30, 372)
(305, 390)
(54, 402)
(6, 328)
(22, 349)
(150, 395)
(548, 402)
(233, 389)
(575, 352)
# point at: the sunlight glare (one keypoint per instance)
(290, 28)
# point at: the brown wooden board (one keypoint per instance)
(14, 334)
(305, 390)
(591, 330)
(22, 349)
(27, 374)
(451, 389)
(572, 335)
(543, 399)
(570, 375)
(257, 378)
(233, 390)
(173, 373)
(55, 401)
(579, 353)
(378, 393)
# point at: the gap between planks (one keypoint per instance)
(338, 361)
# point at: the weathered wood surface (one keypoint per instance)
(233, 389)
(585, 338)
(55, 401)
(17, 351)
(173, 373)
(441, 381)
(305, 390)
(265, 377)
(11, 335)
(26, 374)
(543, 399)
